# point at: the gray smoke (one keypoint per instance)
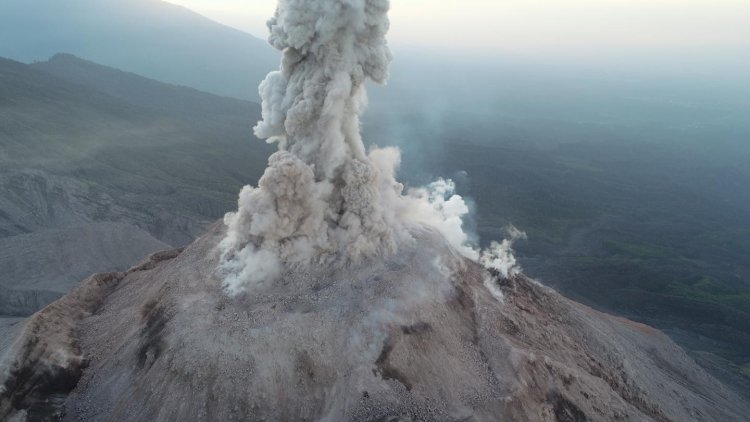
(324, 199)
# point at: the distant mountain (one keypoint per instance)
(150, 37)
(95, 161)
(138, 90)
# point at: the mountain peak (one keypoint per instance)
(155, 39)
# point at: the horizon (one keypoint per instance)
(692, 39)
(585, 29)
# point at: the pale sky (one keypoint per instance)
(537, 26)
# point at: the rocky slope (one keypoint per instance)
(40, 267)
(421, 335)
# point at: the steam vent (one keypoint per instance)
(335, 294)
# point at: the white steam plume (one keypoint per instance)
(324, 200)
(499, 256)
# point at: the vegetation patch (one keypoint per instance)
(638, 250)
(712, 290)
(745, 370)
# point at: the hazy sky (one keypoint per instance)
(579, 27)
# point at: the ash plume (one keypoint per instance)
(324, 199)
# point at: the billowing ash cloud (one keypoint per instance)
(325, 200)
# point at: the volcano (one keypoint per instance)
(418, 336)
(335, 294)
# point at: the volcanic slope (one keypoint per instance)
(99, 168)
(414, 336)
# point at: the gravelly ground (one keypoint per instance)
(416, 336)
